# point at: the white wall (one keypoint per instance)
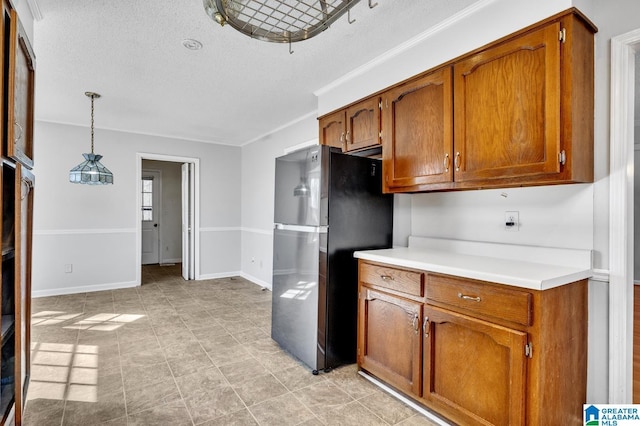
(93, 228)
(171, 214)
(258, 179)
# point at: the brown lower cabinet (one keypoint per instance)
(475, 352)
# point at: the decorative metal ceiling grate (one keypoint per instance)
(283, 21)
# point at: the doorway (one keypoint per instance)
(149, 213)
(152, 213)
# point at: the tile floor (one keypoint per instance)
(173, 352)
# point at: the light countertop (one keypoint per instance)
(515, 272)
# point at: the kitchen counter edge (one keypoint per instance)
(516, 273)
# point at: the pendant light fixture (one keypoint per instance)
(91, 171)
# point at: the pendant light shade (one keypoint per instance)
(91, 171)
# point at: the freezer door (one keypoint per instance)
(294, 320)
(297, 187)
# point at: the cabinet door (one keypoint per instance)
(507, 109)
(363, 125)
(23, 235)
(20, 95)
(417, 133)
(332, 130)
(473, 368)
(389, 343)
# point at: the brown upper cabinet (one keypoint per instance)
(353, 128)
(20, 106)
(417, 135)
(332, 129)
(363, 125)
(516, 112)
(523, 109)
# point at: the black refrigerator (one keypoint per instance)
(327, 205)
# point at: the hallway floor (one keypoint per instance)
(175, 352)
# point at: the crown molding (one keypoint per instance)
(35, 10)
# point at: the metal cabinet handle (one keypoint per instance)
(471, 298)
(457, 161)
(347, 137)
(416, 323)
(446, 162)
(386, 277)
(341, 137)
(16, 139)
(425, 326)
(28, 187)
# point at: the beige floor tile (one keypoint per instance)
(260, 388)
(322, 397)
(281, 411)
(194, 383)
(239, 371)
(387, 408)
(352, 414)
(298, 377)
(174, 414)
(139, 377)
(138, 345)
(184, 353)
(239, 418)
(189, 364)
(41, 417)
(151, 396)
(212, 403)
(107, 407)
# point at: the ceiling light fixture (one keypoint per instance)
(280, 21)
(91, 171)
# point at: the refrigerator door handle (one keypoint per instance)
(302, 228)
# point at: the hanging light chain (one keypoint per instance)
(92, 95)
(92, 123)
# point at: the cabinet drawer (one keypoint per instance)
(404, 281)
(481, 298)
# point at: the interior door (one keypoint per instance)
(188, 215)
(150, 187)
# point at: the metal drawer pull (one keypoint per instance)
(386, 277)
(425, 326)
(446, 163)
(416, 323)
(456, 161)
(465, 297)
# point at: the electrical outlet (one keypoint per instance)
(68, 268)
(511, 221)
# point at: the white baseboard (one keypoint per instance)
(219, 275)
(255, 280)
(82, 289)
(115, 286)
(177, 260)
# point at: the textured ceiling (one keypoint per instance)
(232, 91)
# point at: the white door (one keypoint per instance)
(150, 187)
(188, 214)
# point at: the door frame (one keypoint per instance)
(196, 200)
(621, 149)
(157, 186)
